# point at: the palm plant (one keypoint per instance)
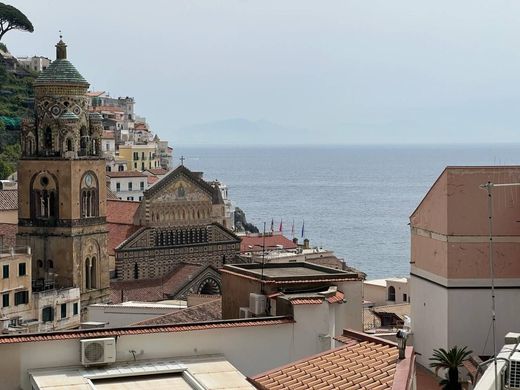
(449, 360)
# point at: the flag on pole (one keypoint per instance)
(280, 229)
(303, 229)
(272, 225)
(292, 229)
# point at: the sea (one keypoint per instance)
(353, 200)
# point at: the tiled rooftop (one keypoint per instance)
(367, 363)
(121, 211)
(8, 200)
(208, 311)
(94, 333)
(153, 290)
(255, 243)
(116, 174)
(157, 171)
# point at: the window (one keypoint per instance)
(44, 202)
(130, 186)
(405, 298)
(5, 300)
(22, 271)
(63, 308)
(135, 165)
(120, 168)
(5, 271)
(118, 187)
(130, 198)
(136, 156)
(21, 298)
(47, 314)
(142, 156)
(141, 185)
(142, 167)
(89, 195)
(391, 293)
(108, 169)
(90, 273)
(75, 308)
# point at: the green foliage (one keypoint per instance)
(3, 47)
(13, 19)
(449, 360)
(6, 169)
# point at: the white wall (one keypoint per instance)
(251, 349)
(429, 312)
(469, 313)
(118, 316)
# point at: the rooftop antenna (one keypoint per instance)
(489, 186)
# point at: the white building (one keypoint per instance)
(34, 63)
(128, 185)
(387, 291)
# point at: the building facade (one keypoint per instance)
(61, 184)
(450, 280)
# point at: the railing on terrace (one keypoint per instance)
(10, 251)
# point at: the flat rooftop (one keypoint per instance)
(289, 271)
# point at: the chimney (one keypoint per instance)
(402, 337)
(295, 240)
(306, 244)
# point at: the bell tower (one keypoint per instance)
(61, 185)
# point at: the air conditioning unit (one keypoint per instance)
(98, 351)
(244, 312)
(513, 378)
(257, 304)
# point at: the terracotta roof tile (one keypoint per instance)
(152, 290)
(121, 211)
(254, 243)
(8, 199)
(108, 135)
(116, 174)
(158, 171)
(356, 365)
(112, 332)
(117, 233)
(207, 311)
(152, 179)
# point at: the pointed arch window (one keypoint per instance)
(48, 138)
(84, 141)
(90, 273)
(89, 195)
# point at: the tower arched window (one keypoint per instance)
(90, 273)
(391, 293)
(83, 141)
(48, 138)
(89, 195)
(69, 145)
(44, 196)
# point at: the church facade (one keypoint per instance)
(61, 185)
(182, 222)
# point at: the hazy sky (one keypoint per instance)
(348, 71)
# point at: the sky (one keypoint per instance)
(340, 72)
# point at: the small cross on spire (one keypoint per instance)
(182, 160)
(61, 35)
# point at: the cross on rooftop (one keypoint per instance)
(182, 160)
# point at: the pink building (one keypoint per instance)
(450, 275)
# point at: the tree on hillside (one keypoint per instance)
(13, 19)
(450, 360)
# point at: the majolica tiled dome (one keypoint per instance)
(61, 71)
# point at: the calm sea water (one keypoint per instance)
(355, 200)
